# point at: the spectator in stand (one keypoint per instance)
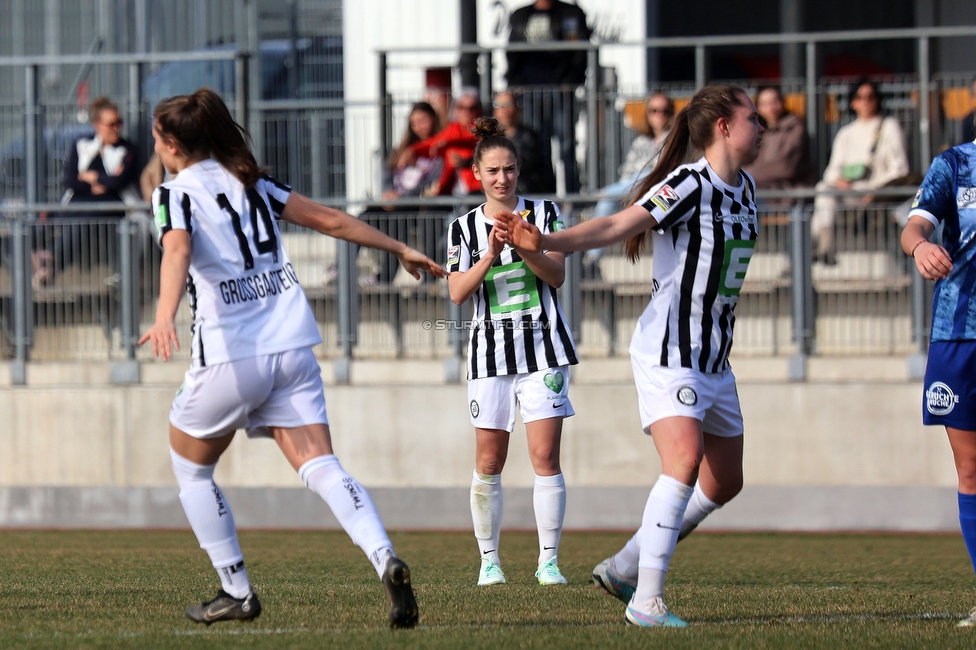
(100, 168)
(535, 164)
(641, 158)
(867, 154)
(416, 177)
(550, 77)
(454, 146)
(783, 161)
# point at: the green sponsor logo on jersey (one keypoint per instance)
(512, 289)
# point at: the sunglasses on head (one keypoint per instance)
(113, 125)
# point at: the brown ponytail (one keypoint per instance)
(200, 124)
(692, 126)
(491, 135)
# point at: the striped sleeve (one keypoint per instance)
(277, 192)
(553, 220)
(171, 210)
(458, 255)
(673, 201)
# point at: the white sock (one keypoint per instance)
(659, 534)
(549, 502)
(212, 522)
(351, 505)
(699, 507)
(486, 513)
(627, 559)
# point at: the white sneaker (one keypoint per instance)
(490, 574)
(548, 573)
(654, 614)
(969, 621)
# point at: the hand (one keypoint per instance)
(867, 199)
(90, 177)
(516, 231)
(98, 189)
(390, 195)
(457, 162)
(406, 159)
(842, 184)
(932, 261)
(436, 147)
(414, 261)
(159, 336)
(496, 242)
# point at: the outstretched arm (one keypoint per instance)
(340, 225)
(172, 279)
(595, 233)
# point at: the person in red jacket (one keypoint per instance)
(455, 143)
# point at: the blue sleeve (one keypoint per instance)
(935, 197)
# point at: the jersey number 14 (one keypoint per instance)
(258, 211)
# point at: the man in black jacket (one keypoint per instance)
(548, 79)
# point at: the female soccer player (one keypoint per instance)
(252, 334)
(948, 197)
(519, 351)
(701, 220)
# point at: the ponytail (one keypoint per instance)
(201, 125)
(692, 130)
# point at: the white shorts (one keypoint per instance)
(540, 395)
(668, 392)
(275, 390)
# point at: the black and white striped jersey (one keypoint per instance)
(244, 296)
(703, 243)
(517, 326)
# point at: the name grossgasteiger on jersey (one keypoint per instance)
(517, 326)
(244, 296)
(705, 238)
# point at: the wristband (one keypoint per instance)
(916, 247)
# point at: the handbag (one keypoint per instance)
(860, 171)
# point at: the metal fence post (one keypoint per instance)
(812, 110)
(127, 371)
(487, 95)
(592, 121)
(571, 294)
(920, 328)
(21, 302)
(802, 270)
(701, 67)
(385, 109)
(924, 117)
(347, 306)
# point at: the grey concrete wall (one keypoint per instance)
(849, 436)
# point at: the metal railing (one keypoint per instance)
(84, 288)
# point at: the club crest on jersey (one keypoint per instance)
(967, 198)
(939, 399)
(453, 254)
(665, 198)
(687, 396)
(918, 198)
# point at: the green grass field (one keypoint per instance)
(111, 589)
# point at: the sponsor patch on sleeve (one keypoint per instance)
(161, 218)
(665, 198)
(918, 198)
(453, 255)
(558, 225)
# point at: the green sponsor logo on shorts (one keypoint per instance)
(182, 386)
(554, 380)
